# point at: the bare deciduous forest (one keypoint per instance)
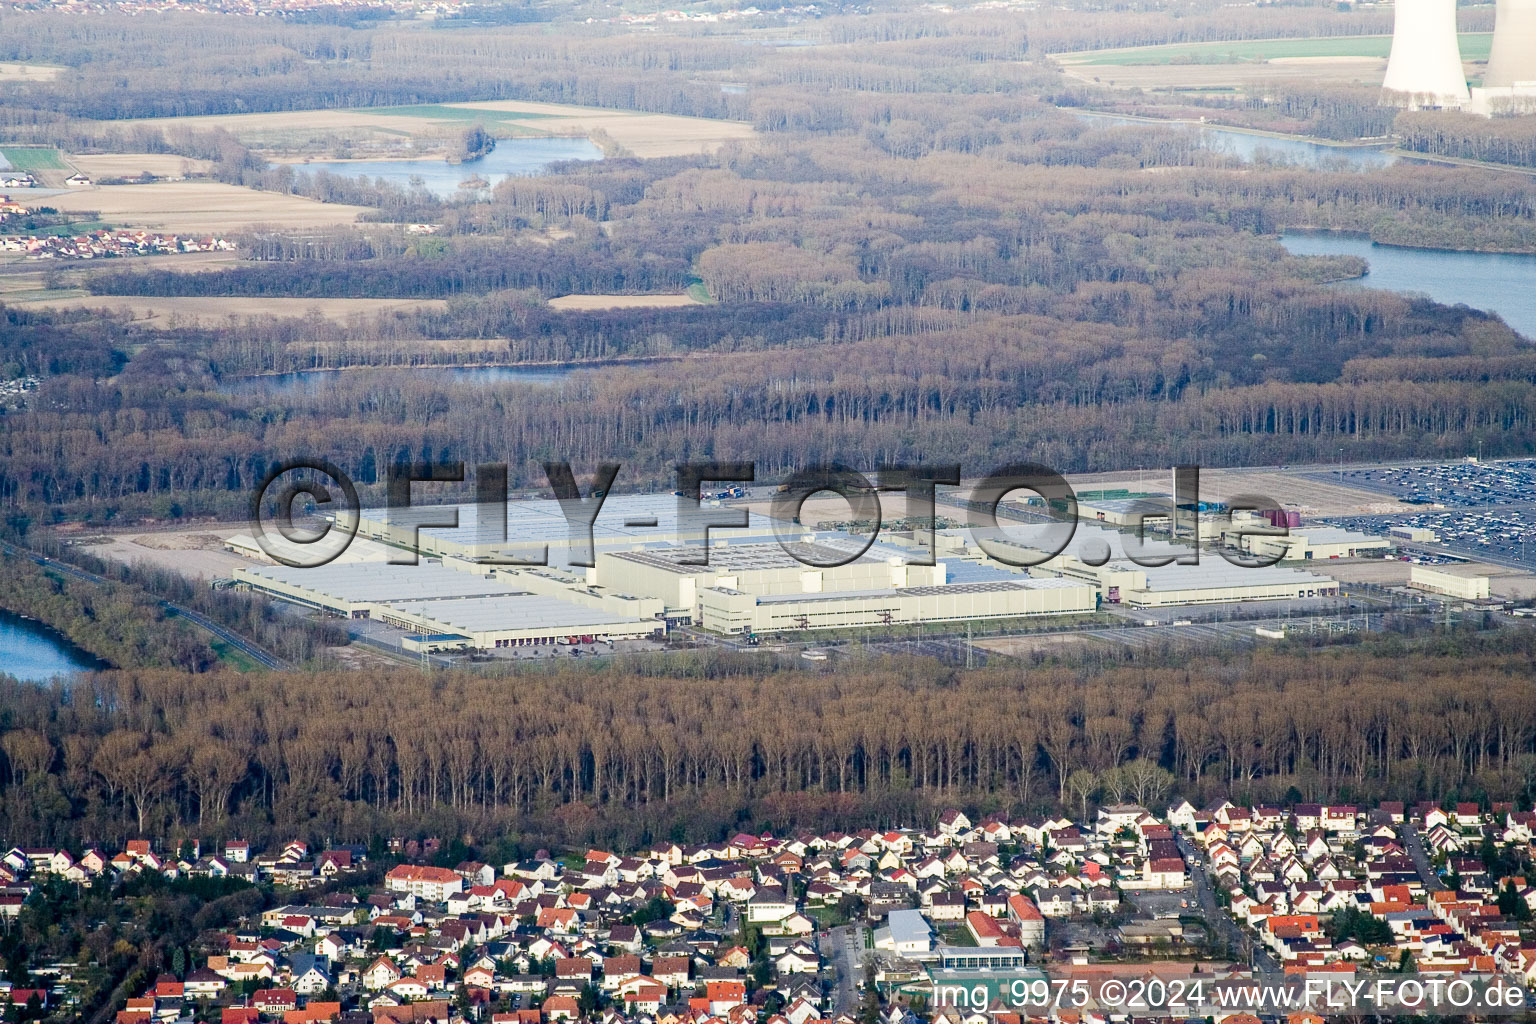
(690, 747)
(924, 254)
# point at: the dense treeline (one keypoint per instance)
(436, 271)
(690, 747)
(953, 305)
(1501, 140)
(117, 623)
(921, 259)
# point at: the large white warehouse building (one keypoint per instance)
(732, 612)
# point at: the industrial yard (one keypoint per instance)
(823, 579)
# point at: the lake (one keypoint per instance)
(1497, 283)
(32, 652)
(1248, 147)
(511, 158)
(312, 382)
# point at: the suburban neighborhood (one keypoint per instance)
(843, 927)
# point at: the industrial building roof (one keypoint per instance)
(520, 611)
(957, 571)
(731, 557)
(940, 591)
(1216, 573)
(364, 582)
(996, 586)
(1090, 542)
(1127, 506)
(640, 517)
(829, 595)
(1334, 535)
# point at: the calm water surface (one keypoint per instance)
(1496, 283)
(312, 382)
(32, 652)
(511, 158)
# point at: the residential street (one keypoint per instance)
(1415, 846)
(847, 956)
(1223, 925)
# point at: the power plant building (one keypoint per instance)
(1509, 86)
(1512, 61)
(1425, 69)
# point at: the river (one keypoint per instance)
(304, 383)
(511, 158)
(1494, 282)
(32, 652)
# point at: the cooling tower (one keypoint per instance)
(1426, 55)
(1513, 60)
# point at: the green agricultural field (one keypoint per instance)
(1474, 46)
(34, 158)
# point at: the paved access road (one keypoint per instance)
(235, 640)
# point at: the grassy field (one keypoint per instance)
(128, 165)
(12, 73)
(444, 112)
(233, 657)
(642, 134)
(1474, 47)
(159, 310)
(34, 158)
(78, 227)
(199, 207)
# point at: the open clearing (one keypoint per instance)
(1023, 646)
(1474, 47)
(15, 74)
(203, 207)
(1292, 490)
(162, 311)
(195, 551)
(128, 165)
(1247, 64)
(1368, 70)
(642, 134)
(622, 301)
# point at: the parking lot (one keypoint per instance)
(1452, 484)
(1483, 510)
